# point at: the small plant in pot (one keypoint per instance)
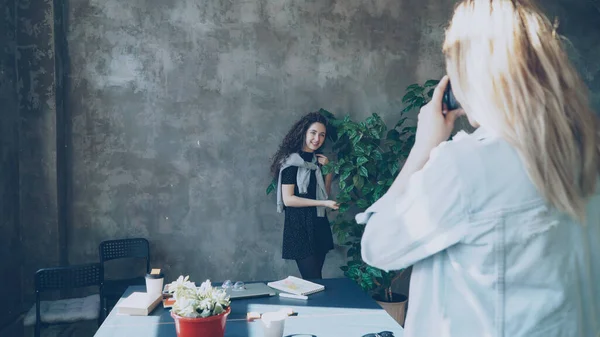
(199, 311)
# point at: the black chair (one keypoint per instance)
(137, 248)
(70, 277)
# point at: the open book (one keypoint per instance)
(296, 286)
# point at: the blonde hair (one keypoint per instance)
(512, 75)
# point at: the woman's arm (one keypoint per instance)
(424, 210)
(421, 217)
(291, 200)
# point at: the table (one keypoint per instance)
(342, 309)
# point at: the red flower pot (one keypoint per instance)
(213, 326)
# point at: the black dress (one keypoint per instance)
(304, 234)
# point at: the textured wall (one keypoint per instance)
(579, 22)
(37, 139)
(10, 274)
(178, 107)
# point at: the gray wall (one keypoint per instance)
(10, 257)
(40, 227)
(579, 22)
(176, 110)
(29, 228)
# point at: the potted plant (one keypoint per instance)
(369, 156)
(199, 311)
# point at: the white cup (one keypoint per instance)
(154, 284)
(273, 323)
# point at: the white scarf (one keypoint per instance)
(302, 180)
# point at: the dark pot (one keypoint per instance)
(395, 308)
(380, 297)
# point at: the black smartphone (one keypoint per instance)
(449, 100)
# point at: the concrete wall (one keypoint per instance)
(579, 22)
(10, 257)
(176, 110)
(39, 200)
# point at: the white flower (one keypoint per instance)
(203, 301)
(205, 287)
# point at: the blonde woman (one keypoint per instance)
(502, 226)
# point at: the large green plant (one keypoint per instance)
(368, 155)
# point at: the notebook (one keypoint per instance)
(138, 304)
(251, 290)
(297, 286)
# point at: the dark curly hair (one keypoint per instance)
(294, 139)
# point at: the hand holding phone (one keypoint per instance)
(449, 100)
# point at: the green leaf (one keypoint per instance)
(353, 273)
(362, 204)
(358, 182)
(430, 83)
(374, 271)
(430, 93)
(343, 197)
(345, 175)
(408, 96)
(394, 168)
(363, 172)
(375, 134)
(369, 283)
(393, 134)
(343, 208)
(271, 186)
(377, 155)
(354, 264)
(361, 160)
(359, 148)
(400, 122)
(357, 138)
(350, 252)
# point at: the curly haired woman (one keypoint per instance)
(302, 192)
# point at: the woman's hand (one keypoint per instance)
(331, 204)
(322, 159)
(435, 123)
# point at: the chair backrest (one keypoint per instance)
(69, 277)
(125, 248)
